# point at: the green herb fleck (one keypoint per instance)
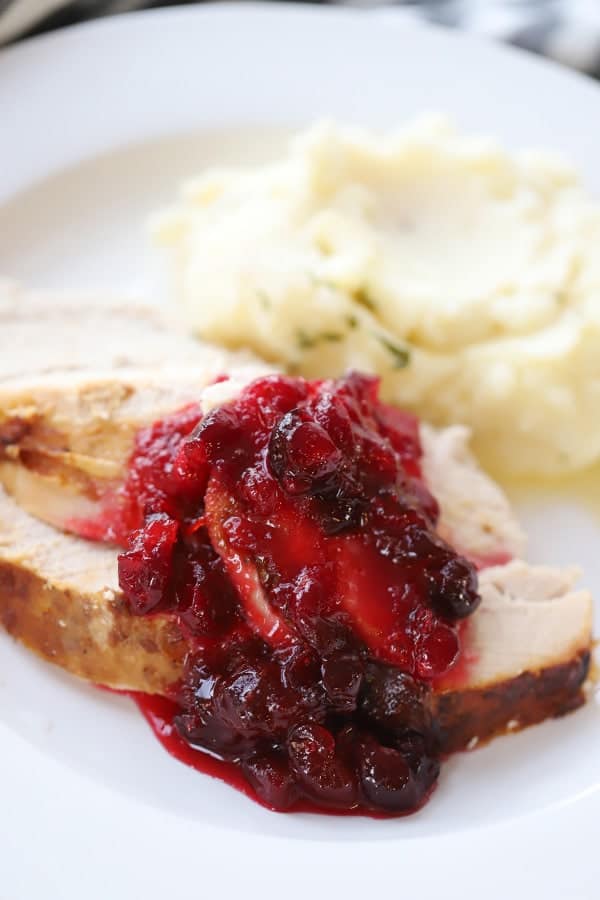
(308, 341)
(352, 322)
(400, 355)
(305, 341)
(364, 299)
(561, 298)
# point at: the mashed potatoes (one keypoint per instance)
(467, 278)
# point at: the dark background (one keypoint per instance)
(565, 30)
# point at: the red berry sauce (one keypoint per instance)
(160, 713)
(290, 533)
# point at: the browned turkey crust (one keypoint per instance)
(59, 596)
(464, 718)
(91, 636)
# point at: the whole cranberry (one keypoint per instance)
(436, 651)
(453, 588)
(206, 600)
(220, 435)
(145, 568)
(342, 676)
(389, 781)
(418, 751)
(333, 415)
(270, 776)
(394, 700)
(273, 396)
(385, 777)
(323, 775)
(301, 454)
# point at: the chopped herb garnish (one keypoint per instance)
(364, 299)
(352, 322)
(400, 355)
(305, 341)
(561, 298)
(308, 341)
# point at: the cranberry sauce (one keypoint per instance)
(160, 713)
(152, 482)
(291, 535)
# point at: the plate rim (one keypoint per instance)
(494, 842)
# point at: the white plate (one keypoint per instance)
(98, 124)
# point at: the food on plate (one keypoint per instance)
(466, 277)
(59, 595)
(66, 430)
(289, 563)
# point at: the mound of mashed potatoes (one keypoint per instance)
(467, 278)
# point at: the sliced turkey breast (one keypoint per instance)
(78, 377)
(69, 411)
(528, 643)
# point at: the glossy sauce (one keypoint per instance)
(159, 713)
(291, 536)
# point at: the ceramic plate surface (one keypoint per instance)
(99, 123)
